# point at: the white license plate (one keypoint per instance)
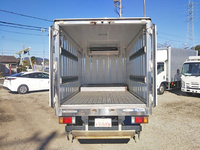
(105, 122)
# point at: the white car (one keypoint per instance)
(27, 81)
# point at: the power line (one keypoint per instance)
(17, 41)
(32, 53)
(172, 40)
(20, 32)
(25, 15)
(9, 51)
(19, 27)
(173, 35)
(22, 25)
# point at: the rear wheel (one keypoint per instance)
(22, 89)
(161, 89)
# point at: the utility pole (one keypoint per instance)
(2, 45)
(42, 29)
(22, 52)
(118, 5)
(144, 8)
(190, 26)
(120, 8)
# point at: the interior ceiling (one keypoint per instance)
(103, 35)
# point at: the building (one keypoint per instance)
(8, 64)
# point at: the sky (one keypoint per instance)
(170, 17)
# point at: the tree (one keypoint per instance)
(26, 63)
(166, 44)
(33, 60)
(198, 48)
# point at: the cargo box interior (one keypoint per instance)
(102, 62)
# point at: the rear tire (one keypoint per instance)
(161, 89)
(22, 89)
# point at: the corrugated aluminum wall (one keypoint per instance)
(137, 66)
(70, 67)
(103, 69)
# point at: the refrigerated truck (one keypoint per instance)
(169, 65)
(190, 75)
(103, 75)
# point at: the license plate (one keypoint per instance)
(105, 122)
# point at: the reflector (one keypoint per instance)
(145, 119)
(60, 120)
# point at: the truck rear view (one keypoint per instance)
(103, 75)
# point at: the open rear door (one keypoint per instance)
(51, 69)
(154, 46)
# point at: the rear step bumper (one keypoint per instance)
(108, 134)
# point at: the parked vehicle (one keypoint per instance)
(46, 69)
(169, 64)
(190, 75)
(103, 75)
(27, 81)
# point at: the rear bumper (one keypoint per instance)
(106, 134)
(115, 132)
(13, 89)
(190, 90)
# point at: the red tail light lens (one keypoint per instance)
(11, 78)
(139, 119)
(67, 120)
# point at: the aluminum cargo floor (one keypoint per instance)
(103, 97)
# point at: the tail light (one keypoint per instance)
(67, 120)
(139, 119)
(11, 78)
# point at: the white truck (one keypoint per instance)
(169, 66)
(103, 75)
(190, 75)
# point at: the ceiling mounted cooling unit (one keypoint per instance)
(103, 51)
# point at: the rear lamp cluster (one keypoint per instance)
(72, 120)
(67, 120)
(11, 78)
(139, 119)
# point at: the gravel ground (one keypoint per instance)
(26, 122)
